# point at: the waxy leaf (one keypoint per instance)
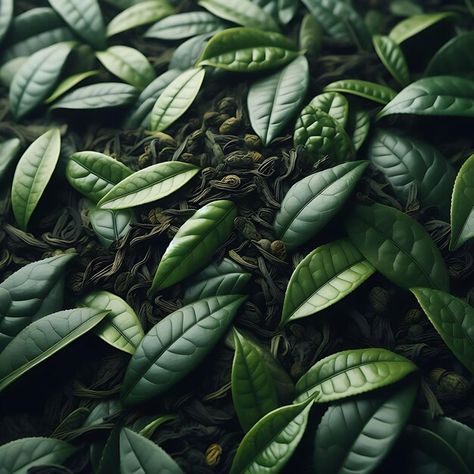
(392, 58)
(32, 175)
(8, 70)
(334, 104)
(9, 150)
(31, 293)
(356, 435)
(6, 15)
(397, 246)
(148, 185)
(268, 446)
(68, 84)
(19, 456)
(367, 90)
(121, 327)
(273, 101)
(187, 53)
(323, 278)
(84, 18)
(438, 96)
(176, 99)
(310, 36)
(43, 338)
(110, 226)
(453, 319)
(462, 205)
(248, 50)
(358, 127)
(352, 372)
(139, 455)
(193, 246)
(176, 345)
(313, 201)
(94, 174)
(253, 391)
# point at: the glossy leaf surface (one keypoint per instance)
(358, 127)
(6, 16)
(9, 150)
(392, 58)
(187, 53)
(334, 104)
(110, 226)
(367, 90)
(68, 84)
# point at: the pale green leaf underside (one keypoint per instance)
(110, 226)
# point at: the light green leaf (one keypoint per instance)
(9, 69)
(68, 84)
(110, 226)
(9, 150)
(333, 104)
(358, 127)
(392, 58)
(367, 90)
(6, 16)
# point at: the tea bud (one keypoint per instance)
(450, 383)
(213, 454)
(253, 142)
(231, 126)
(265, 244)
(278, 249)
(227, 105)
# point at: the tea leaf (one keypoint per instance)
(358, 127)
(193, 246)
(352, 372)
(6, 16)
(367, 90)
(9, 150)
(310, 36)
(273, 100)
(324, 277)
(32, 175)
(68, 84)
(187, 53)
(313, 201)
(110, 226)
(333, 104)
(397, 246)
(392, 58)
(148, 185)
(8, 70)
(177, 345)
(43, 338)
(286, 10)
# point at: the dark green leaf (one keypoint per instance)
(392, 58)
(358, 127)
(110, 226)
(367, 90)
(6, 15)
(334, 104)
(310, 36)
(9, 150)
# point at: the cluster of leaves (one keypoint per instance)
(368, 393)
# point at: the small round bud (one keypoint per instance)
(231, 126)
(278, 249)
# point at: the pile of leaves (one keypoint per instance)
(236, 236)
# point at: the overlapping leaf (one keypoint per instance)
(334, 104)
(367, 90)
(9, 150)
(6, 15)
(110, 226)
(68, 84)
(392, 58)
(187, 53)
(358, 127)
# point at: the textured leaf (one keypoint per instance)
(438, 95)
(462, 205)
(19, 456)
(176, 99)
(273, 101)
(148, 185)
(69, 83)
(313, 201)
(121, 327)
(352, 372)
(32, 174)
(367, 90)
(127, 64)
(84, 18)
(453, 319)
(333, 104)
(94, 174)
(193, 246)
(358, 127)
(37, 78)
(187, 53)
(6, 15)
(406, 162)
(110, 226)
(356, 435)
(392, 58)
(31, 293)
(142, 13)
(323, 278)
(176, 345)
(224, 278)
(253, 391)
(43, 338)
(268, 446)
(9, 150)
(397, 246)
(139, 455)
(248, 50)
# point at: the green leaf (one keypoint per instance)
(310, 36)
(9, 150)
(358, 127)
(68, 84)
(9, 69)
(462, 205)
(224, 278)
(253, 391)
(446, 96)
(110, 226)
(453, 319)
(187, 53)
(31, 293)
(273, 101)
(19, 456)
(356, 435)
(333, 104)
(242, 12)
(121, 327)
(324, 277)
(248, 50)
(176, 99)
(43, 338)
(142, 13)
(94, 174)
(313, 201)
(268, 446)
(185, 25)
(148, 185)
(127, 64)
(195, 243)
(151, 426)
(286, 10)
(392, 58)
(368, 90)
(397, 246)
(139, 455)
(84, 18)
(177, 345)
(37, 78)
(6, 16)
(98, 96)
(32, 175)
(101, 411)
(352, 372)
(406, 162)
